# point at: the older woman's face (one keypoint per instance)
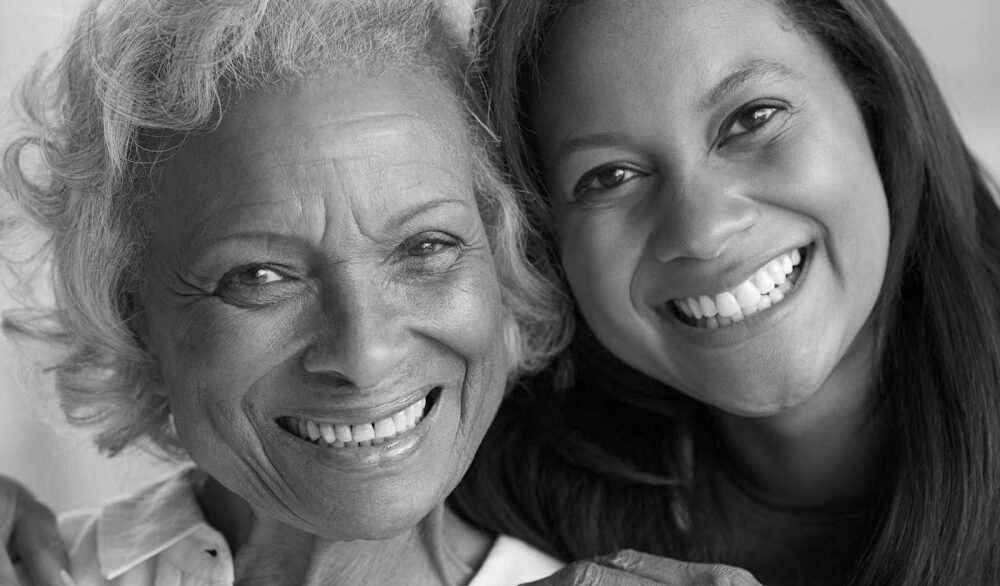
(323, 305)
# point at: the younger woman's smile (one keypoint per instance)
(763, 289)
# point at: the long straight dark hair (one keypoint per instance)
(938, 323)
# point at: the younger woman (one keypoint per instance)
(765, 209)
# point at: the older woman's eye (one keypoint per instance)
(253, 284)
(257, 276)
(750, 119)
(429, 247)
(430, 251)
(605, 178)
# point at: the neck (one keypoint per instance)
(441, 549)
(823, 451)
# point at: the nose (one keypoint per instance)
(700, 215)
(363, 336)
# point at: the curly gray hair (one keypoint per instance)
(140, 75)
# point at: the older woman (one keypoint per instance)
(279, 250)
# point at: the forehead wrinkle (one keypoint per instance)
(253, 217)
(272, 156)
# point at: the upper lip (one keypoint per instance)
(364, 408)
(713, 277)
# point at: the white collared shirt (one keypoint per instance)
(159, 537)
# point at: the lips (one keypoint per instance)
(343, 434)
(766, 287)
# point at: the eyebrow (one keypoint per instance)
(754, 69)
(297, 240)
(581, 143)
(416, 211)
(751, 70)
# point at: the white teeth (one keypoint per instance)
(385, 428)
(765, 287)
(695, 307)
(776, 272)
(747, 294)
(363, 432)
(341, 435)
(726, 303)
(401, 422)
(707, 306)
(762, 279)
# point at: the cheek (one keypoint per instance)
(230, 345)
(211, 360)
(466, 314)
(843, 191)
(471, 321)
(601, 252)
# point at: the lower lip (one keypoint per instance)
(390, 452)
(752, 326)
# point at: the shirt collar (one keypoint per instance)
(135, 528)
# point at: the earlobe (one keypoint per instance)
(513, 347)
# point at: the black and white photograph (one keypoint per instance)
(499, 292)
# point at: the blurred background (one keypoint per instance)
(959, 39)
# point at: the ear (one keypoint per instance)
(512, 342)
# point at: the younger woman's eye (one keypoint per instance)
(749, 119)
(605, 178)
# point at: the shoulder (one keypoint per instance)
(512, 561)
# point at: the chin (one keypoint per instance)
(762, 398)
(373, 523)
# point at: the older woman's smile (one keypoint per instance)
(341, 433)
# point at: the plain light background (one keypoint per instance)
(959, 38)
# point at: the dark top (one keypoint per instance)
(784, 545)
(600, 466)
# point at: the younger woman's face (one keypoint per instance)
(721, 217)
